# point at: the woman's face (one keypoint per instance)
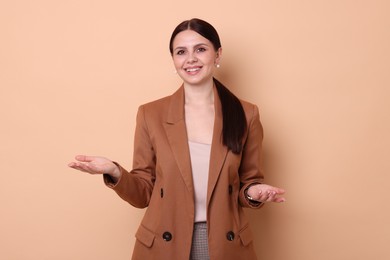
(194, 57)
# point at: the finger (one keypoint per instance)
(72, 164)
(271, 196)
(264, 197)
(280, 190)
(84, 167)
(279, 200)
(75, 165)
(277, 190)
(84, 158)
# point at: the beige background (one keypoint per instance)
(72, 74)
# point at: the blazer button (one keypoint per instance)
(167, 236)
(230, 235)
(162, 193)
(230, 189)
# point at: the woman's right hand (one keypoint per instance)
(96, 165)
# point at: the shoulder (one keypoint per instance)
(165, 107)
(251, 110)
(154, 111)
(157, 104)
(165, 102)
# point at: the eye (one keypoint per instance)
(180, 52)
(201, 49)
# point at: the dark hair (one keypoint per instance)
(202, 27)
(234, 120)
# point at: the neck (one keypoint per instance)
(200, 94)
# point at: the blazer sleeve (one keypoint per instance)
(251, 162)
(136, 186)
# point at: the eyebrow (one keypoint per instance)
(195, 46)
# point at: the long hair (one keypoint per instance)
(234, 120)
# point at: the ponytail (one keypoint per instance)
(234, 120)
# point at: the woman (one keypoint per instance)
(196, 161)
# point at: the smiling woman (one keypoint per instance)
(194, 57)
(196, 161)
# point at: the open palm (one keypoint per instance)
(95, 165)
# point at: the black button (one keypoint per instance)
(230, 189)
(230, 235)
(162, 193)
(167, 236)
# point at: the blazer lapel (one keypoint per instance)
(175, 129)
(218, 150)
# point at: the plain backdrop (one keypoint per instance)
(73, 73)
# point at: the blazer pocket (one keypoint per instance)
(145, 236)
(246, 235)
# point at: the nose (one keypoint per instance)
(192, 58)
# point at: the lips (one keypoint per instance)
(192, 69)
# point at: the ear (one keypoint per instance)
(218, 56)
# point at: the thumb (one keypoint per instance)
(84, 158)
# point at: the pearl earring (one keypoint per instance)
(218, 66)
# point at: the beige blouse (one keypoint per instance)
(200, 161)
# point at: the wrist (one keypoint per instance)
(115, 175)
(248, 197)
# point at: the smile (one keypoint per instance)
(192, 69)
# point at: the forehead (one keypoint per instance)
(189, 38)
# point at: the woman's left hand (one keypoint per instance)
(266, 193)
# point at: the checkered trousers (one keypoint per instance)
(200, 248)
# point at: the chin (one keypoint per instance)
(197, 81)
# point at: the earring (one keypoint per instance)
(218, 66)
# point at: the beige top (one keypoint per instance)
(200, 161)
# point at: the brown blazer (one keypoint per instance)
(161, 180)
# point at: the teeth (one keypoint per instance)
(192, 70)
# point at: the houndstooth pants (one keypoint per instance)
(200, 248)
